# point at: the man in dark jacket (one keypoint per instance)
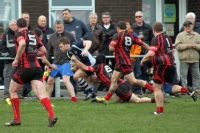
(47, 31)
(75, 26)
(109, 30)
(7, 49)
(97, 34)
(145, 33)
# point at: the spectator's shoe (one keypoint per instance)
(93, 100)
(52, 121)
(13, 123)
(101, 100)
(192, 93)
(157, 113)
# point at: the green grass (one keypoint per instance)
(182, 115)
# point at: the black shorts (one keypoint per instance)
(25, 75)
(124, 69)
(124, 92)
(164, 74)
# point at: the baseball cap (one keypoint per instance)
(187, 22)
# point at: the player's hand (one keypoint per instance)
(142, 63)
(111, 49)
(46, 67)
(15, 63)
(53, 66)
(84, 53)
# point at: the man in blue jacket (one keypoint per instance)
(75, 26)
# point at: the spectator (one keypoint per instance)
(145, 33)
(26, 16)
(135, 49)
(187, 44)
(196, 28)
(109, 30)
(8, 49)
(75, 26)
(97, 37)
(97, 34)
(46, 30)
(60, 59)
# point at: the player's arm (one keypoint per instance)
(46, 62)
(87, 44)
(139, 41)
(22, 44)
(147, 57)
(114, 42)
(79, 64)
(41, 50)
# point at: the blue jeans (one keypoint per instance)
(140, 72)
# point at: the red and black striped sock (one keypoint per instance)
(16, 109)
(47, 104)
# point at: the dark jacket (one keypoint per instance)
(147, 33)
(79, 27)
(108, 38)
(54, 50)
(97, 37)
(7, 46)
(196, 28)
(46, 31)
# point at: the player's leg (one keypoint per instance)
(135, 99)
(117, 99)
(50, 84)
(128, 74)
(39, 91)
(79, 74)
(133, 81)
(66, 72)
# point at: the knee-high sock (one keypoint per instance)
(149, 87)
(47, 104)
(85, 85)
(15, 107)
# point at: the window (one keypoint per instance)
(149, 11)
(9, 9)
(80, 9)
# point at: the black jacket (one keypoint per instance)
(47, 31)
(7, 46)
(147, 33)
(108, 38)
(97, 37)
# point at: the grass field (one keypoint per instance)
(182, 115)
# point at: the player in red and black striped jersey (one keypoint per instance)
(104, 74)
(161, 53)
(121, 44)
(28, 47)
